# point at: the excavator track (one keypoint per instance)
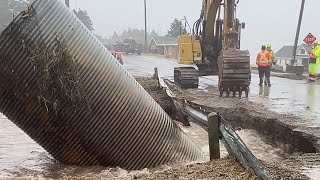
(234, 72)
(186, 77)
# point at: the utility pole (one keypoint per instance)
(145, 26)
(298, 32)
(67, 2)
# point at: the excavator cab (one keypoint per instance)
(219, 41)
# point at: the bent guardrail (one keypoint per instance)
(219, 128)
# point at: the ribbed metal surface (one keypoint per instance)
(125, 127)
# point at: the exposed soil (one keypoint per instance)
(242, 113)
(281, 131)
(160, 96)
(225, 168)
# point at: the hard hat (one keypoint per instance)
(268, 45)
(315, 42)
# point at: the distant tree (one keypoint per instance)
(134, 33)
(115, 36)
(84, 18)
(176, 28)
(153, 34)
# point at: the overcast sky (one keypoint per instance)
(272, 21)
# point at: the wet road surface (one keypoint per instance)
(20, 156)
(285, 96)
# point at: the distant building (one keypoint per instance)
(284, 56)
(302, 55)
(163, 45)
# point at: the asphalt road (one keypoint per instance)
(286, 96)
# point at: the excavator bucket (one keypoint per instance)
(186, 77)
(234, 72)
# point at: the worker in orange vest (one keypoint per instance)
(264, 63)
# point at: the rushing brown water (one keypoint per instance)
(20, 156)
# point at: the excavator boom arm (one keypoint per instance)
(220, 44)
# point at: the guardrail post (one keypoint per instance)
(155, 74)
(213, 124)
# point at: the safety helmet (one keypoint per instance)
(269, 46)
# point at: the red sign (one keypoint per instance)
(309, 39)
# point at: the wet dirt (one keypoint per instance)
(279, 130)
(242, 113)
(160, 96)
(290, 107)
(225, 168)
(270, 148)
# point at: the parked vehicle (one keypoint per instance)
(131, 46)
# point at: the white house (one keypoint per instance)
(164, 45)
(284, 56)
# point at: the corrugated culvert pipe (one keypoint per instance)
(66, 91)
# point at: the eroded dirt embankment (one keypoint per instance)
(284, 131)
(225, 168)
(241, 113)
(160, 96)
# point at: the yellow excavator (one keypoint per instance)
(214, 46)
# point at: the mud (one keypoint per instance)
(241, 113)
(225, 168)
(281, 130)
(160, 96)
(244, 116)
(307, 165)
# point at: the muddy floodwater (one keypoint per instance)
(256, 143)
(20, 156)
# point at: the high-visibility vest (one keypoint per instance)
(316, 53)
(272, 55)
(264, 59)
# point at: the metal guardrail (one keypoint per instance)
(231, 140)
(228, 136)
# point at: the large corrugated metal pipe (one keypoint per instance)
(66, 91)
